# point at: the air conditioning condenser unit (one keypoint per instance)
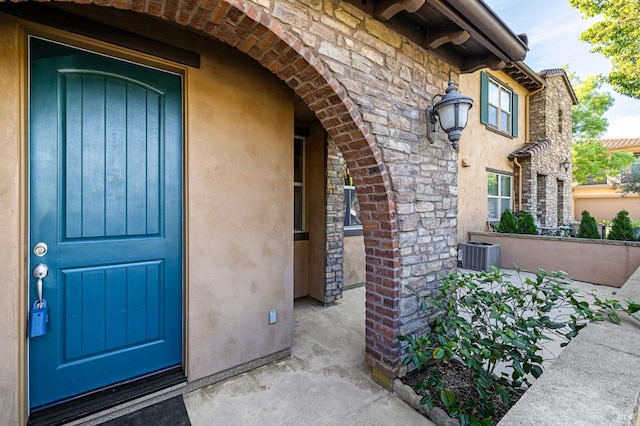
(479, 256)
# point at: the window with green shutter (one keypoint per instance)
(498, 106)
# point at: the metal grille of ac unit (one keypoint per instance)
(479, 256)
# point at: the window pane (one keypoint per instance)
(347, 203)
(505, 122)
(505, 203)
(297, 208)
(352, 208)
(492, 184)
(505, 186)
(494, 93)
(505, 101)
(297, 160)
(493, 116)
(492, 208)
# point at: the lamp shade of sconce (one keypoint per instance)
(452, 111)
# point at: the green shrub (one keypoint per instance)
(588, 226)
(486, 321)
(508, 224)
(526, 225)
(621, 228)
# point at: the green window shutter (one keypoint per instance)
(484, 97)
(514, 114)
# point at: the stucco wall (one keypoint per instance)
(603, 202)
(480, 149)
(354, 266)
(11, 310)
(240, 162)
(594, 261)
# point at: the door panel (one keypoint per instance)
(106, 197)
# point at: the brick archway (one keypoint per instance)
(244, 26)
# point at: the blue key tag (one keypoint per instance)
(38, 319)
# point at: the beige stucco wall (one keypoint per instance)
(603, 202)
(354, 263)
(239, 245)
(240, 165)
(11, 310)
(594, 261)
(300, 268)
(481, 149)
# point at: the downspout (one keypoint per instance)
(515, 162)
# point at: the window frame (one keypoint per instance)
(499, 197)
(299, 184)
(485, 81)
(348, 226)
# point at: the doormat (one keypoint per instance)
(171, 412)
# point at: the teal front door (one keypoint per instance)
(105, 184)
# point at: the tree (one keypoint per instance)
(588, 122)
(630, 182)
(621, 228)
(526, 224)
(617, 36)
(508, 224)
(592, 160)
(588, 227)
(590, 157)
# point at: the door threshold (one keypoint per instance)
(101, 403)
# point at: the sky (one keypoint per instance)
(554, 29)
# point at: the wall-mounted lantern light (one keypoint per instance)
(566, 164)
(453, 112)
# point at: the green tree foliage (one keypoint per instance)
(588, 122)
(526, 224)
(591, 159)
(616, 35)
(588, 227)
(508, 224)
(621, 228)
(630, 181)
(517, 223)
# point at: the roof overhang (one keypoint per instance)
(525, 76)
(466, 33)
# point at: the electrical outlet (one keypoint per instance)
(273, 316)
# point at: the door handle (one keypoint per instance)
(39, 273)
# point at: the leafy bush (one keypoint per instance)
(526, 224)
(508, 224)
(588, 226)
(487, 321)
(621, 228)
(519, 223)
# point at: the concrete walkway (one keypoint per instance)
(325, 381)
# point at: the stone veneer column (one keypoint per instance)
(334, 225)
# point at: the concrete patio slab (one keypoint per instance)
(325, 381)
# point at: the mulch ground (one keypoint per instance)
(458, 379)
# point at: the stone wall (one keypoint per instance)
(550, 119)
(334, 229)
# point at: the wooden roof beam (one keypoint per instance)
(387, 9)
(450, 34)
